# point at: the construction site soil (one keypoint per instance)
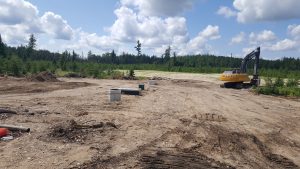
(178, 123)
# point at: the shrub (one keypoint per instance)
(292, 83)
(131, 73)
(279, 82)
(269, 82)
(15, 66)
(278, 88)
(116, 75)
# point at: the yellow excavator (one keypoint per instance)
(238, 78)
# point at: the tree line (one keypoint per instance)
(26, 59)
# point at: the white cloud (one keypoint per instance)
(294, 31)
(19, 18)
(160, 7)
(14, 34)
(199, 43)
(262, 37)
(210, 32)
(266, 10)
(239, 38)
(151, 31)
(84, 41)
(284, 45)
(56, 26)
(155, 34)
(100, 42)
(226, 12)
(17, 11)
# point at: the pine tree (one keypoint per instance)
(2, 48)
(31, 46)
(74, 56)
(32, 42)
(174, 59)
(138, 48)
(63, 61)
(113, 57)
(167, 54)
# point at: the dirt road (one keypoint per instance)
(175, 124)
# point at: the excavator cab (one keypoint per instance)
(238, 78)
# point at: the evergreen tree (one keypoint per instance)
(63, 60)
(32, 42)
(2, 48)
(113, 57)
(138, 48)
(31, 46)
(90, 54)
(74, 56)
(174, 59)
(167, 54)
(15, 66)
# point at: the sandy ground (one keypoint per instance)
(183, 122)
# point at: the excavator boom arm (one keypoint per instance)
(254, 54)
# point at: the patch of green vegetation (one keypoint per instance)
(279, 87)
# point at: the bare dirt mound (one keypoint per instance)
(247, 148)
(242, 149)
(72, 132)
(43, 77)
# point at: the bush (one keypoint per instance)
(131, 73)
(15, 65)
(269, 82)
(292, 83)
(291, 87)
(279, 82)
(116, 75)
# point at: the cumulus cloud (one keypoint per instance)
(151, 31)
(210, 32)
(160, 7)
(199, 43)
(84, 41)
(158, 33)
(155, 34)
(266, 10)
(226, 12)
(284, 45)
(294, 31)
(19, 18)
(262, 37)
(239, 38)
(14, 34)
(56, 26)
(136, 20)
(17, 11)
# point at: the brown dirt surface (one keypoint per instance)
(43, 77)
(178, 123)
(12, 85)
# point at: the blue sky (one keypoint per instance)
(217, 27)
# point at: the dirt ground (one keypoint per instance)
(182, 122)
